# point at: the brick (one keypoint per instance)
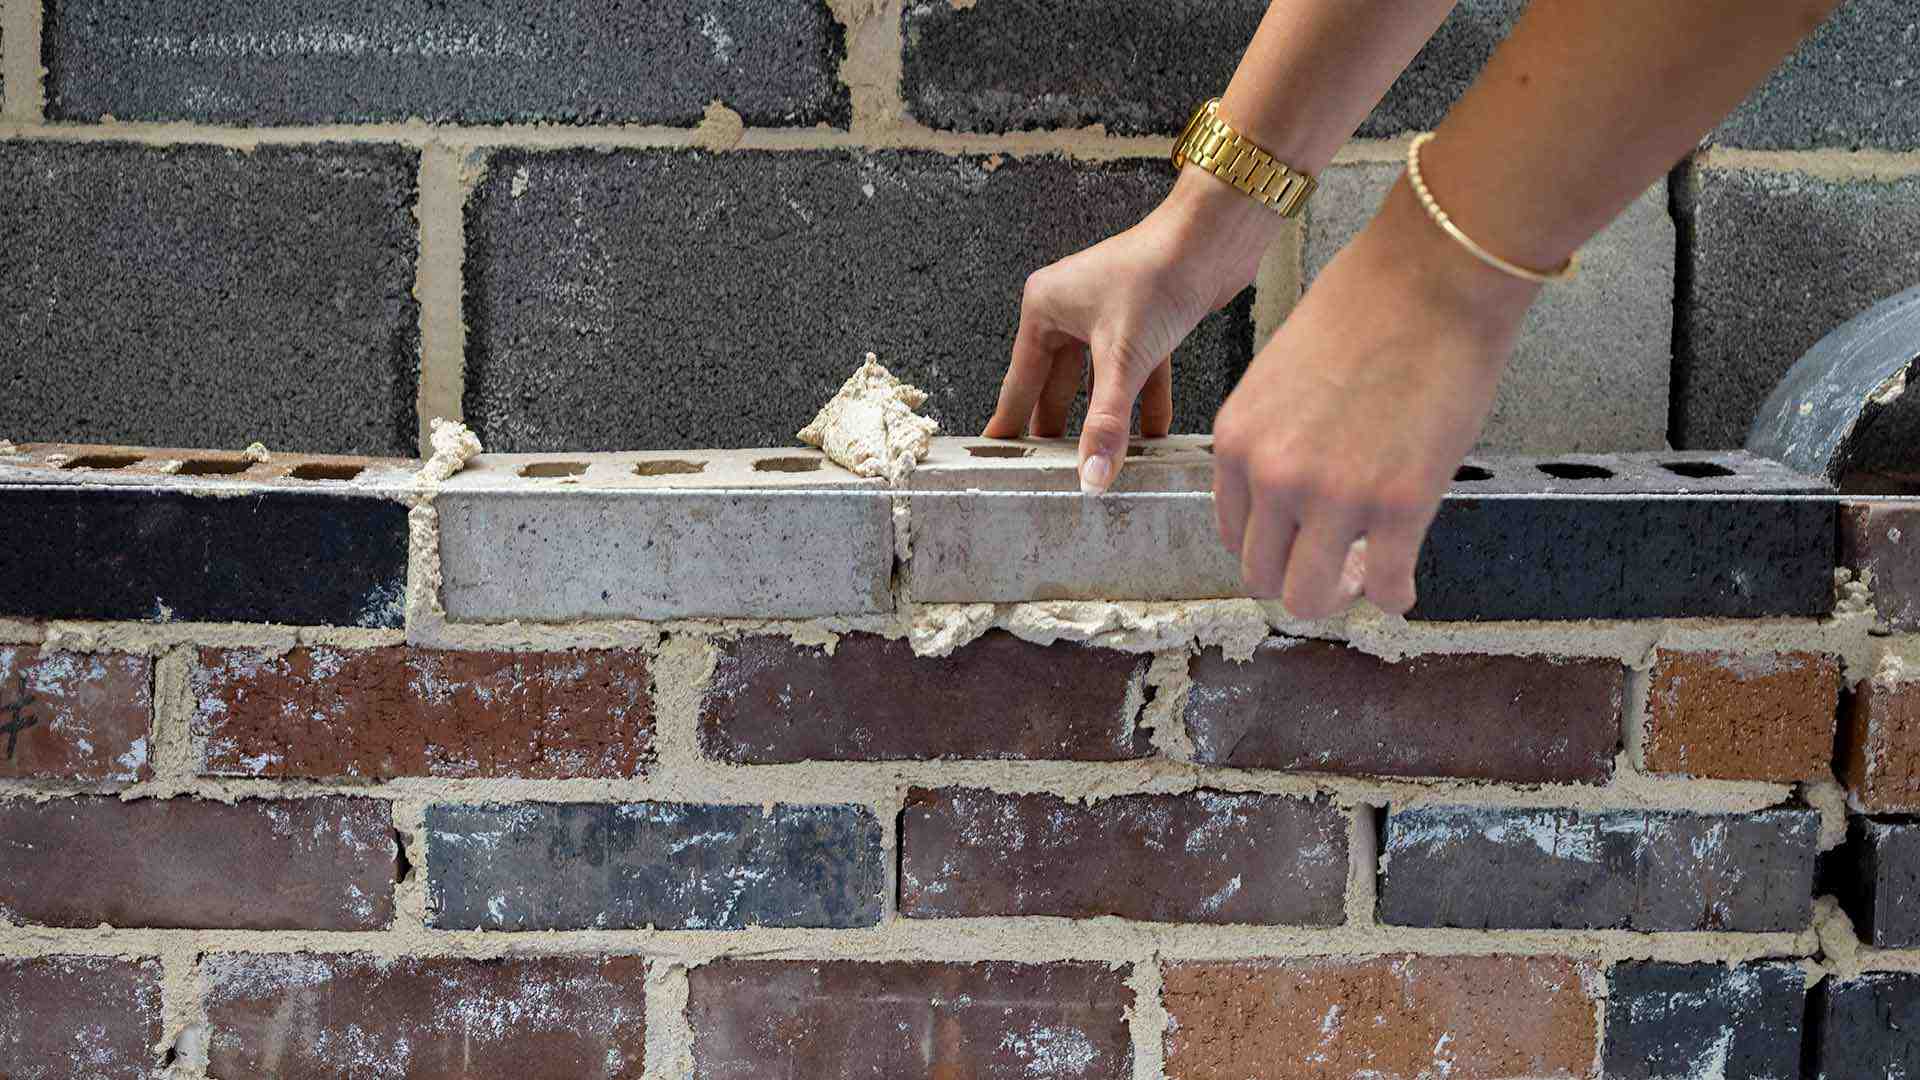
(1395, 1018)
(173, 555)
(1646, 870)
(674, 866)
(1590, 369)
(272, 286)
(838, 1020)
(74, 716)
(1773, 262)
(1323, 707)
(238, 63)
(1727, 716)
(1876, 874)
(1864, 1026)
(331, 714)
(1677, 1020)
(79, 1016)
(1880, 745)
(325, 863)
(1883, 540)
(583, 305)
(1205, 857)
(426, 1018)
(870, 699)
(1854, 83)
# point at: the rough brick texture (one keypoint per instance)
(541, 1018)
(1880, 746)
(325, 713)
(1883, 541)
(228, 296)
(572, 866)
(316, 864)
(74, 716)
(841, 1020)
(1640, 870)
(586, 61)
(592, 277)
(1865, 1026)
(1877, 877)
(1704, 1020)
(1729, 716)
(1207, 857)
(1397, 1018)
(1323, 707)
(1776, 260)
(63, 1017)
(870, 699)
(129, 553)
(1854, 83)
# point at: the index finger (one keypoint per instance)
(1026, 380)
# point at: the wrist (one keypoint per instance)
(1218, 233)
(1412, 249)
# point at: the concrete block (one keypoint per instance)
(1443, 69)
(1855, 83)
(674, 866)
(583, 62)
(225, 297)
(1864, 1026)
(674, 299)
(1776, 260)
(1590, 370)
(1698, 1020)
(1877, 876)
(1645, 870)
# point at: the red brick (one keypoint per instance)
(92, 1017)
(530, 1018)
(841, 1020)
(1883, 540)
(871, 699)
(1384, 1018)
(1203, 857)
(74, 716)
(321, 864)
(1324, 707)
(1728, 716)
(380, 713)
(1880, 748)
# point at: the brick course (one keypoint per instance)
(75, 716)
(96, 1017)
(1732, 717)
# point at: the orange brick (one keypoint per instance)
(1729, 716)
(1880, 759)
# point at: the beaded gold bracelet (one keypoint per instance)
(1440, 218)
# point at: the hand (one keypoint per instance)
(1129, 300)
(1351, 421)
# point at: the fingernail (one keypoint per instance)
(1095, 473)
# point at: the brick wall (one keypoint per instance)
(610, 793)
(589, 225)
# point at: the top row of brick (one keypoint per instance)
(1135, 66)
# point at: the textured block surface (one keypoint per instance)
(1854, 83)
(201, 296)
(1883, 540)
(1865, 1026)
(682, 866)
(842, 1020)
(96, 1017)
(75, 716)
(1704, 1020)
(1877, 875)
(1729, 716)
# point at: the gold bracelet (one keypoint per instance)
(1211, 144)
(1440, 218)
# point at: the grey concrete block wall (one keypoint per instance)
(1773, 262)
(1854, 83)
(676, 298)
(578, 61)
(196, 295)
(1590, 371)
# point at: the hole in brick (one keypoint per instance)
(1136, 451)
(320, 470)
(787, 464)
(215, 467)
(668, 468)
(1697, 469)
(1000, 451)
(1469, 474)
(540, 469)
(1570, 470)
(103, 461)
(1208, 447)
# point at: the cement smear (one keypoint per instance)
(871, 427)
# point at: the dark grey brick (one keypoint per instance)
(674, 299)
(579, 61)
(1773, 262)
(1864, 1027)
(141, 553)
(681, 866)
(1420, 98)
(202, 296)
(1854, 83)
(1877, 876)
(1483, 867)
(1731, 1023)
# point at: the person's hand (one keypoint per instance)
(1351, 421)
(1128, 300)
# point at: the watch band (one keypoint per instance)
(1210, 143)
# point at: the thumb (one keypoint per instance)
(1103, 438)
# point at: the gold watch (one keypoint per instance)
(1211, 144)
